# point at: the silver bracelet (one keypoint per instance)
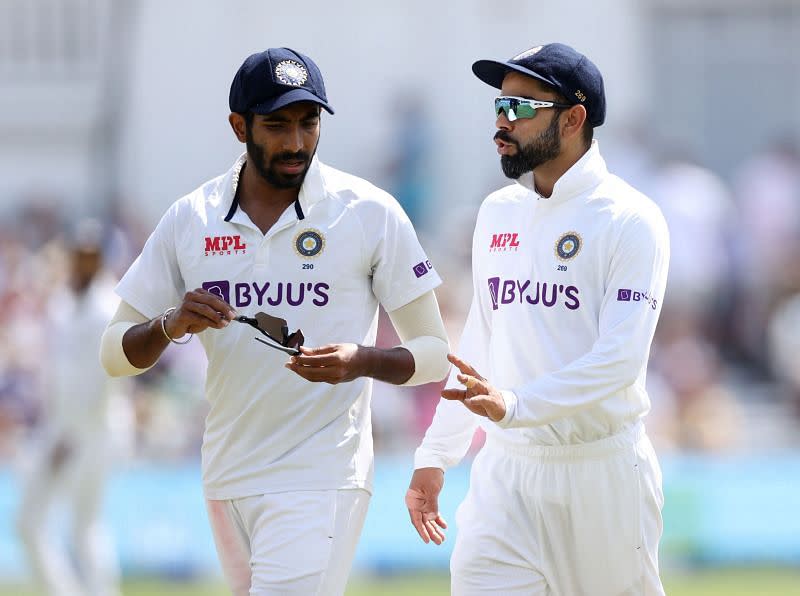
(168, 312)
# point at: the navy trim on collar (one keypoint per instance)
(234, 205)
(298, 209)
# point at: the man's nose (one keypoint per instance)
(502, 122)
(293, 141)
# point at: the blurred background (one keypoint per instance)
(113, 109)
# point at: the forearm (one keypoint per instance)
(144, 343)
(393, 365)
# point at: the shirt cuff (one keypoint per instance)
(510, 399)
(427, 459)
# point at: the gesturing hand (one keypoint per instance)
(479, 396)
(422, 501)
(199, 310)
(332, 363)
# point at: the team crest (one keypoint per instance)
(292, 73)
(568, 246)
(309, 243)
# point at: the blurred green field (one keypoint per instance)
(719, 582)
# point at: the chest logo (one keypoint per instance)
(309, 243)
(568, 246)
(224, 245)
(504, 242)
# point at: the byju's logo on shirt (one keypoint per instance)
(503, 242)
(224, 245)
(272, 293)
(628, 295)
(422, 268)
(524, 291)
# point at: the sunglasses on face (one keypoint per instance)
(274, 328)
(522, 107)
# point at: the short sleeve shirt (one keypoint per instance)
(331, 258)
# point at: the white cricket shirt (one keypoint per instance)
(566, 295)
(331, 257)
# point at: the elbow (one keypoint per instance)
(430, 359)
(112, 354)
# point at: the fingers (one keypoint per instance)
(313, 373)
(454, 394)
(428, 524)
(432, 526)
(204, 314)
(327, 349)
(463, 366)
(213, 301)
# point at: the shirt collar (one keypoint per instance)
(312, 190)
(584, 174)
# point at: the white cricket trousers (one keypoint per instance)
(575, 520)
(86, 563)
(292, 543)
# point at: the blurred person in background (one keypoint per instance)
(84, 417)
(767, 189)
(287, 451)
(569, 273)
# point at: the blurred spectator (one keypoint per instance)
(83, 416)
(701, 218)
(768, 246)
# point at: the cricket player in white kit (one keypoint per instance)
(287, 451)
(569, 271)
(86, 416)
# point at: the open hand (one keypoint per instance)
(422, 501)
(479, 396)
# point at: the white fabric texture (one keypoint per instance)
(566, 335)
(112, 354)
(582, 520)
(421, 329)
(296, 543)
(269, 430)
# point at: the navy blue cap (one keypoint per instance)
(274, 78)
(570, 72)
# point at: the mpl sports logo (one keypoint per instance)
(224, 245)
(525, 291)
(628, 295)
(504, 242)
(272, 293)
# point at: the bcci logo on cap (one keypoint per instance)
(291, 73)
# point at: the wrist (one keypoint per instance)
(169, 331)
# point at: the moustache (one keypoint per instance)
(502, 135)
(288, 156)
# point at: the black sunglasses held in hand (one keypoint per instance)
(274, 328)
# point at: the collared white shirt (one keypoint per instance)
(567, 294)
(344, 247)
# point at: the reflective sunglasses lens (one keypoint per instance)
(525, 110)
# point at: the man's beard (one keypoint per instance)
(257, 158)
(542, 149)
